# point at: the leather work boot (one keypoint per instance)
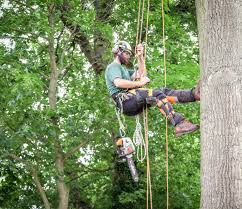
(196, 91)
(185, 127)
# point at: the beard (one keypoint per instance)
(123, 60)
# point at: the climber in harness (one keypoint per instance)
(131, 98)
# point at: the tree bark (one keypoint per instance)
(220, 40)
(53, 66)
(62, 187)
(103, 12)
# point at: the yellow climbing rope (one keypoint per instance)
(167, 142)
(145, 113)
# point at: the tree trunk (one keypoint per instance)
(40, 188)
(220, 40)
(63, 189)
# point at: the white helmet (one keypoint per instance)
(122, 46)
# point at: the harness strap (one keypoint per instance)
(119, 98)
(170, 99)
(133, 91)
(124, 95)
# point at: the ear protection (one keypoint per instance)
(115, 49)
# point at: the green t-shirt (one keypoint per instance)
(115, 70)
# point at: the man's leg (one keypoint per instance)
(135, 104)
(183, 96)
(166, 108)
(196, 90)
(130, 106)
(182, 126)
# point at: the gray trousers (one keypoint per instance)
(135, 104)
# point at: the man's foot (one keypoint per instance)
(196, 91)
(185, 127)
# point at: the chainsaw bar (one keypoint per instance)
(132, 168)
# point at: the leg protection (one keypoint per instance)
(151, 100)
(167, 110)
(156, 96)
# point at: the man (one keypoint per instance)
(123, 87)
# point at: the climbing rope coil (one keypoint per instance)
(139, 141)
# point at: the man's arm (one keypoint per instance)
(126, 84)
(142, 68)
(141, 61)
(141, 72)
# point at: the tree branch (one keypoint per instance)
(93, 56)
(58, 43)
(40, 188)
(104, 10)
(92, 170)
(75, 149)
(65, 71)
(64, 49)
(36, 179)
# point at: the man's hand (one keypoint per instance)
(140, 58)
(127, 84)
(144, 80)
(139, 50)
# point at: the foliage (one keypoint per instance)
(84, 110)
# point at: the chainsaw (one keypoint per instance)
(125, 151)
